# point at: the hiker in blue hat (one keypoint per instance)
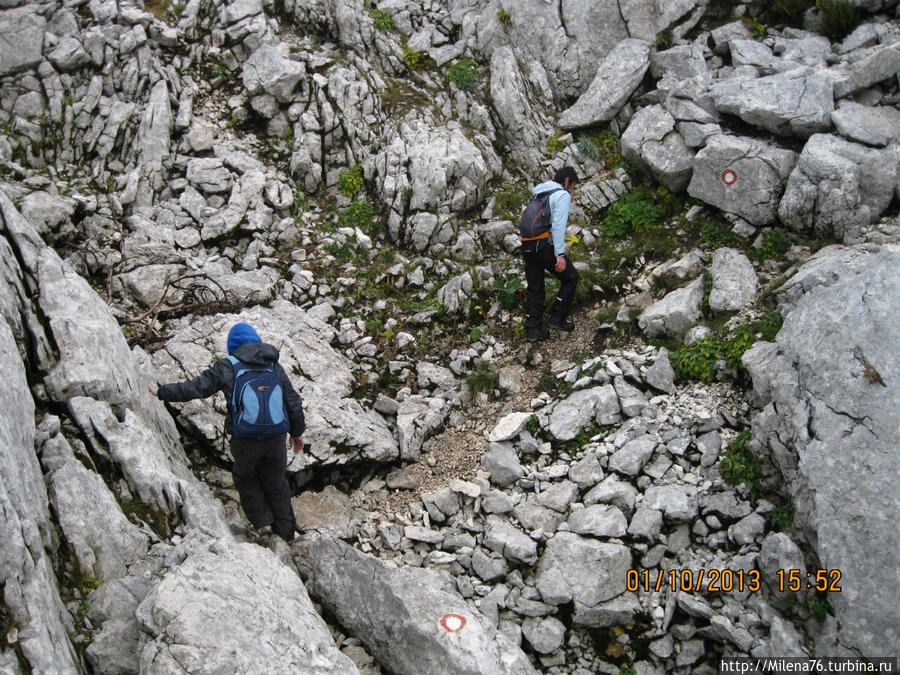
(263, 408)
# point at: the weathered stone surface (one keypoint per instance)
(511, 95)
(677, 501)
(398, 615)
(617, 77)
(872, 125)
(830, 425)
(839, 186)
(675, 313)
(652, 144)
(104, 540)
(632, 456)
(509, 427)
(502, 537)
(742, 175)
(23, 52)
(580, 409)
(563, 570)
(269, 70)
(660, 375)
(599, 520)
(227, 602)
(30, 585)
(876, 64)
(733, 280)
(502, 463)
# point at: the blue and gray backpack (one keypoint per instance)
(257, 404)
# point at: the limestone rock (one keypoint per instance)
(617, 77)
(741, 175)
(418, 626)
(822, 397)
(227, 605)
(733, 280)
(675, 313)
(838, 187)
(652, 144)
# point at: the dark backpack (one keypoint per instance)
(257, 404)
(535, 219)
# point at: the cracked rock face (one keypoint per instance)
(826, 383)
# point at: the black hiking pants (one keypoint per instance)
(540, 258)
(260, 476)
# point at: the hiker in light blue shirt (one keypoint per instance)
(545, 251)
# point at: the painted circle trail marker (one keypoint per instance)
(453, 623)
(729, 177)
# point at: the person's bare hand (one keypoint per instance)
(152, 389)
(297, 444)
(560, 263)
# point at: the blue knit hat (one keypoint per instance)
(241, 334)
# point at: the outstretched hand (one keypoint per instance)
(297, 444)
(152, 388)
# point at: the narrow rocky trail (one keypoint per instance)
(455, 452)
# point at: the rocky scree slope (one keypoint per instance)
(167, 161)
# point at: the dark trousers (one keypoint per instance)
(539, 258)
(260, 476)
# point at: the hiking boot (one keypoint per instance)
(536, 334)
(562, 324)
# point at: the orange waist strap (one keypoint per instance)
(545, 235)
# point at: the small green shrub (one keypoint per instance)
(769, 326)
(717, 235)
(510, 291)
(555, 144)
(503, 16)
(413, 58)
(633, 212)
(603, 147)
(357, 214)
(697, 361)
(533, 426)
(775, 243)
(789, 11)
(739, 465)
(482, 379)
(837, 18)
(509, 200)
(781, 517)
(351, 181)
(464, 74)
(818, 608)
(382, 20)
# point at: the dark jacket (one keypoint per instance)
(220, 377)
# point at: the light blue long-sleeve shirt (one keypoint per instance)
(559, 213)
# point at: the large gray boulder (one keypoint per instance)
(408, 622)
(742, 175)
(872, 125)
(873, 65)
(519, 120)
(338, 429)
(618, 75)
(579, 410)
(581, 570)
(675, 314)
(796, 103)
(30, 586)
(839, 186)
(652, 144)
(829, 419)
(24, 52)
(734, 281)
(207, 614)
(270, 71)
